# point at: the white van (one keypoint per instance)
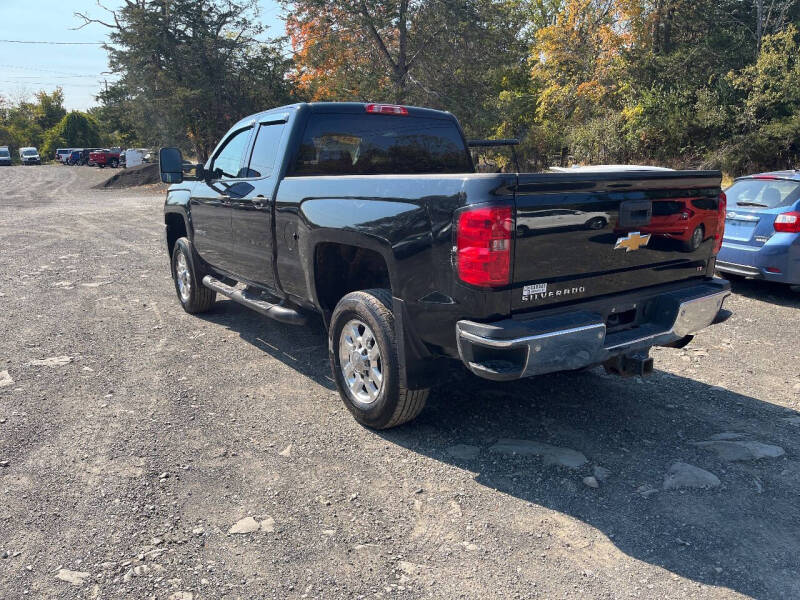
(29, 156)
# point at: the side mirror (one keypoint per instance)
(170, 163)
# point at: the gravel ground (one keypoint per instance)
(136, 441)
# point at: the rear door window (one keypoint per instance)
(262, 161)
(346, 144)
(763, 193)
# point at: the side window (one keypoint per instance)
(228, 162)
(262, 161)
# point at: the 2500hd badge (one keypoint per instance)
(532, 293)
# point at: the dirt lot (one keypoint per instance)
(133, 437)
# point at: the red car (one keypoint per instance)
(688, 220)
(103, 158)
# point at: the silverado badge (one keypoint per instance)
(632, 242)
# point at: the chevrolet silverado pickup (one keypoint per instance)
(372, 216)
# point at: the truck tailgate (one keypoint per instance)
(585, 235)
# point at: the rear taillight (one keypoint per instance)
(387, 109)
(483, 246)
(788, 222)
(722, 212)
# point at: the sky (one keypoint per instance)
(80, 70)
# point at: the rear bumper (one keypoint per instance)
(778, 260)
(512, 349)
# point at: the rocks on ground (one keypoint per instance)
(250, 525)
(73, 577)
(682, 475)
(552, 455)
(741, 450)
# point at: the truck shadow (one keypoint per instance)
(766, 291)
(743, 535)
(307, 353)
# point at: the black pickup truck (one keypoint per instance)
(373, 216)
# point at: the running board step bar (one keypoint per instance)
(279, 312)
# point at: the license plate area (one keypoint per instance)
(739, 231)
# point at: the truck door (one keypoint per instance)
(211, 201)
(251, 214)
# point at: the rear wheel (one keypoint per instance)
(114, 163)
(698, 236)
(193, 295)
(365, 362)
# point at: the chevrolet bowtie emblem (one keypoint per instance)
(632, 242)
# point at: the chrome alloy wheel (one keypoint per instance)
(183, 277)
(360, 361)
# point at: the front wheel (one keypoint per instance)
(114, 164)
(364, 358)
(193, 295)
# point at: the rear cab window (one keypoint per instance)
(763, 193)
(351, 144)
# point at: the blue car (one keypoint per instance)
(762, 228)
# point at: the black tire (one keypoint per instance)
(596, 223)
(698, 237)
(102, 165)
(199, 298)
(114, 163)
(394, 404)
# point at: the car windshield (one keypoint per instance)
(763, 193)
(29, 153)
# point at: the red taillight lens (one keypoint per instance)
(483, 246)
(788, 222)
(387, 109)
(722, 213)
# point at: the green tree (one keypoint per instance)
(49, 108)
(188, 69)
(75, 130)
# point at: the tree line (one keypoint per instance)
(683, 83)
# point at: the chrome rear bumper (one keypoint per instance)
(513, 349)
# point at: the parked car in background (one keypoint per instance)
(74, 158)
(762, 228)
(691, 221)
(105, 158)
(29, 156)
(62, 154)
(5, 156)
(81, 156)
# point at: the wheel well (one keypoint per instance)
(340, 269)
(176, 228)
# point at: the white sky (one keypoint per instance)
(79, 69)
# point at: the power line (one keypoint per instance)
(52, 43)
(38, 70)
